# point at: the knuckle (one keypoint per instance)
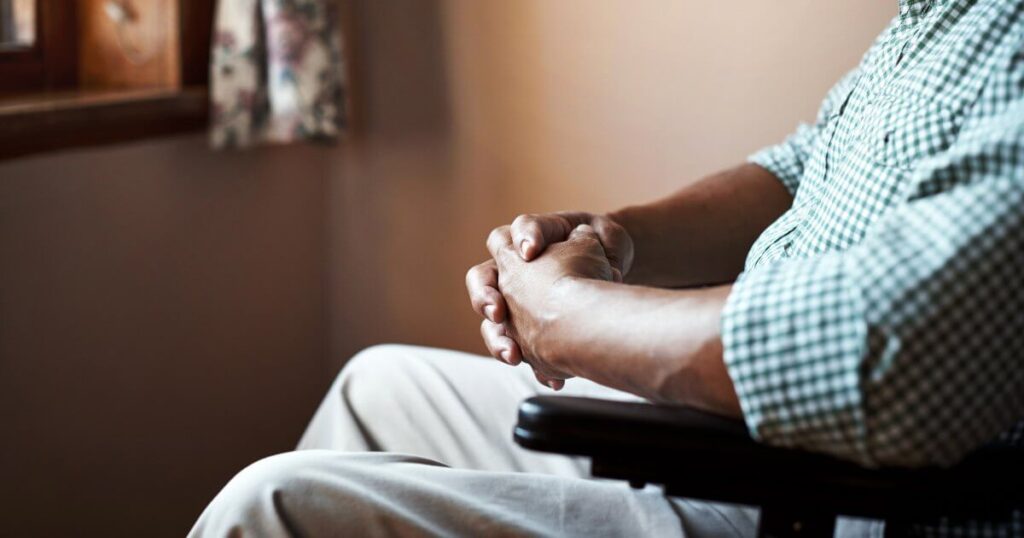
(522, 220)
(474, 275)
(584, 236)
(497, 235)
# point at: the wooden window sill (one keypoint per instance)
(56, 121)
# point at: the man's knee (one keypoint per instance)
(372, 380)
(375, 363)
(310, 493)
(250, 503)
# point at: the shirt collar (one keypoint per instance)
(911, 11)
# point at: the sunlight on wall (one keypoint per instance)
(500, 108)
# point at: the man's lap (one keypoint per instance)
(413, 440)
(331, 493)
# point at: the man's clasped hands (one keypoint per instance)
(533, 261)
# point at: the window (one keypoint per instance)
(34, 49)
(17, 24)
(86, 72)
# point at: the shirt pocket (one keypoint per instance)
(904, 131)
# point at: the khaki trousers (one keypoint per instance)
(414, 441)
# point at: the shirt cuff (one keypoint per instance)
(784, 160)
(794, 336)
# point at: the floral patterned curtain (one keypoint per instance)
(277, 73)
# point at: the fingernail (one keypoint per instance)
(506, 355)
(489, 311)
(525, 246)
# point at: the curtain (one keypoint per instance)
(277, 73)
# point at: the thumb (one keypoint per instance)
(584, 233)
(531, 234)
(618, 246)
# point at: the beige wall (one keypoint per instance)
(168, 314)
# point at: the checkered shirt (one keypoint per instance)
(881, 318)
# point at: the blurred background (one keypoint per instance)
(169, 314)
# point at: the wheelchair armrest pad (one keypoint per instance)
(708, 456)
(588, 427)
(636, 431)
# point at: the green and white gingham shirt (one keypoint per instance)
(881, 318)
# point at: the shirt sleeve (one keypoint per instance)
(905, 349)
(786, 160)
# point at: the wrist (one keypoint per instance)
(556, 341)
(618, 217)
(704, 379)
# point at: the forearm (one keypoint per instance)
(700, 235)
(661, 344)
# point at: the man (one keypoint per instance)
(878, 317)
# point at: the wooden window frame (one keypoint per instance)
(49, 63)
(43, 111)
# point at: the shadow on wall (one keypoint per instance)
(395, 202)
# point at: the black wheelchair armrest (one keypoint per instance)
(704, 456)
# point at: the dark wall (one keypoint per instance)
(161, 326)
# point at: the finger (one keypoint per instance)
(553, 384)
(498, 344)
(531, 234)
(499, 242)
(482, 285)
(618, 247)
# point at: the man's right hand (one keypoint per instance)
(531, 234)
